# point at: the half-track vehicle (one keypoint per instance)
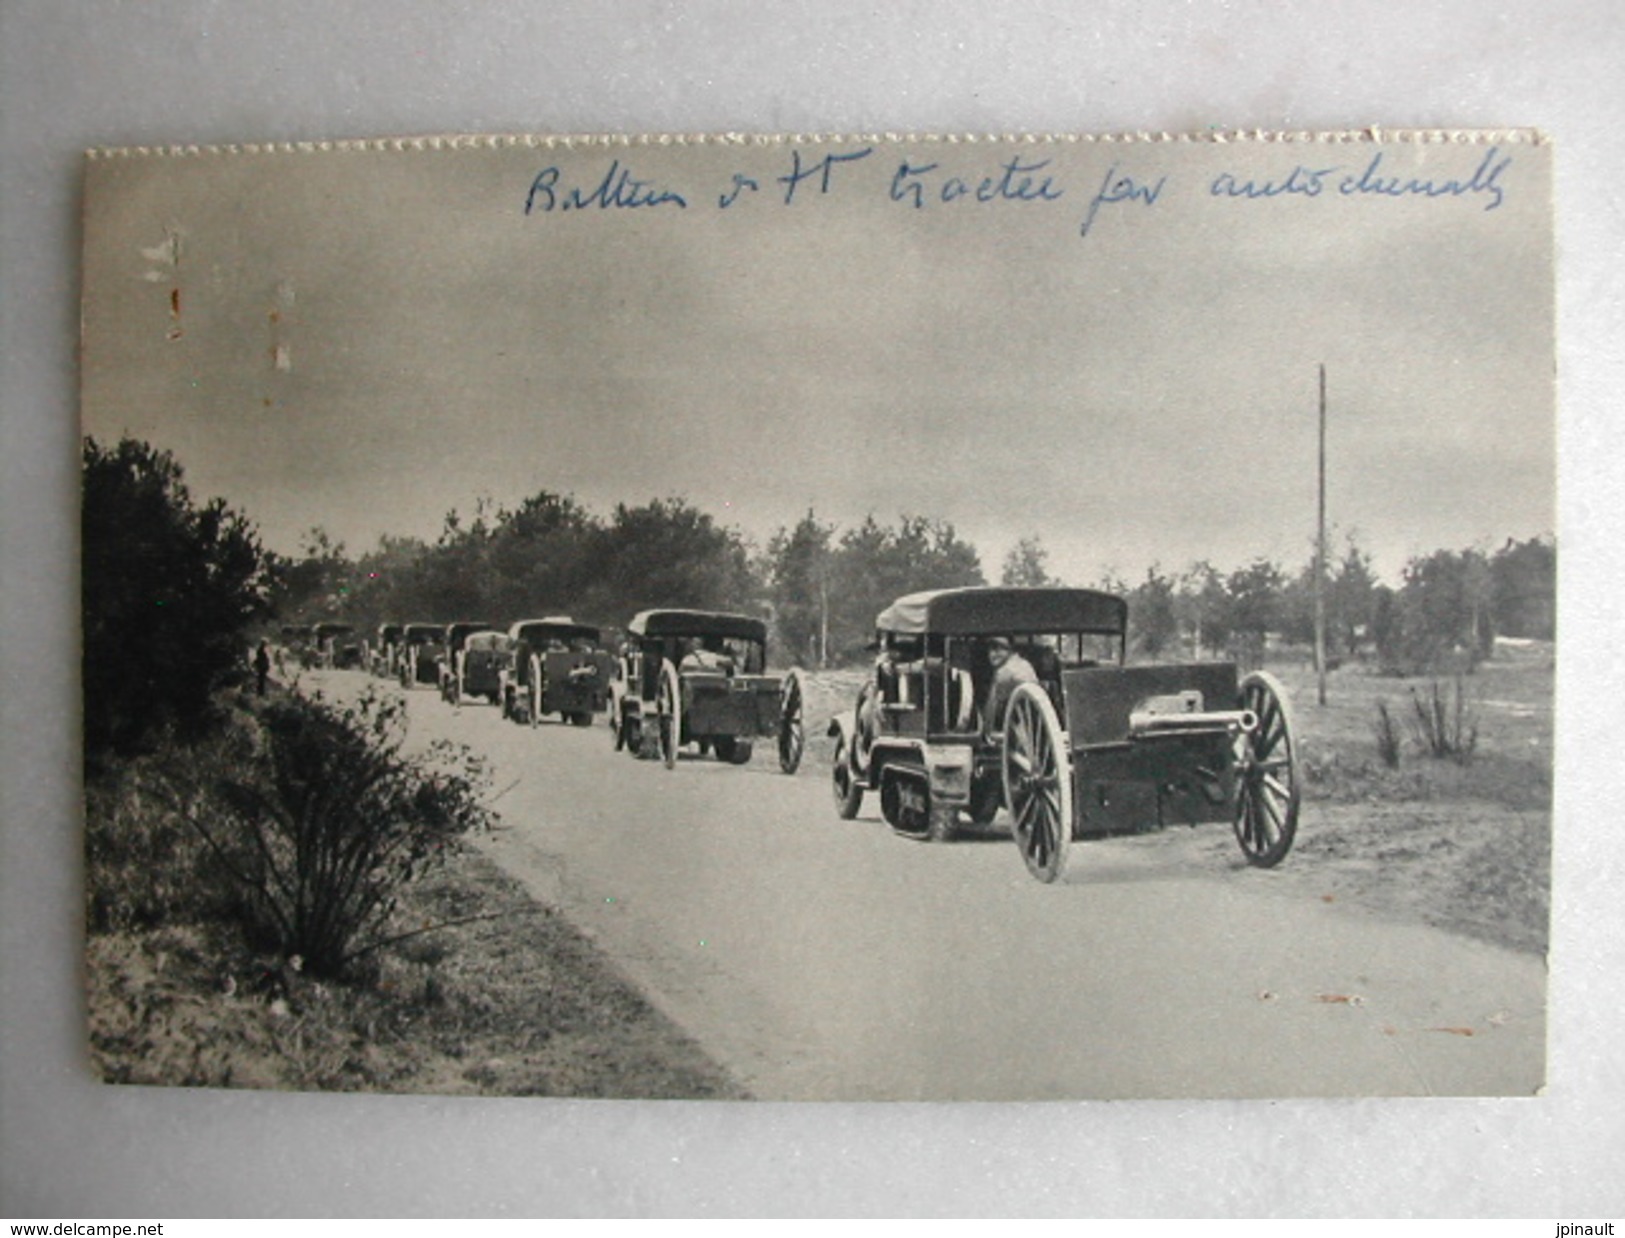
(699, 677)
(1021, 699)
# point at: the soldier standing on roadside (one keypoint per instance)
(262, 667)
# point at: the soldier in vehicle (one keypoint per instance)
(1010, 671)
(709, 655)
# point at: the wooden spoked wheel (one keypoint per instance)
(1038, 782)
(669, 714)
(792, 723)
(1267, 787)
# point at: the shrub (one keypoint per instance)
(1446, 728)
(170, 590)
(322, 830)
(1386, 730)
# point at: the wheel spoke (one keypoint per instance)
(1272, 817)
(1024, 811)
(1245, 808)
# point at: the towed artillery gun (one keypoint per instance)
(558, 667)
(699, 677)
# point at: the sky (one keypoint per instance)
(365, 338)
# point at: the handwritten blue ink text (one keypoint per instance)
(1016, 182)
(822, 169)
(1301, 180)
(741, 183)
(619, 189)
(1484, 180)
(1115, 188)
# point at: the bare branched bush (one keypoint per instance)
(1389, 740)
(320, 829)
(1444, 724)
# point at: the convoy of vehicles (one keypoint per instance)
(979, 701)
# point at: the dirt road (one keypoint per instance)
(817, 958)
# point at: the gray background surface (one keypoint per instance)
(76, 75)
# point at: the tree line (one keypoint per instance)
(1444, 614)
(174, 589)
(821, 586)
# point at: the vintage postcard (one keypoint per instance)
(821, 618)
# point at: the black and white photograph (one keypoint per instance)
(821, 618)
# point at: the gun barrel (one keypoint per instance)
(1234, 721)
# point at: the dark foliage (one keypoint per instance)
(1523, 586)
(798, 569)
(169, 593)
(1442, 618)
(874, 564)
(1027, 565)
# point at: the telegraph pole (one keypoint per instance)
(1320, 553)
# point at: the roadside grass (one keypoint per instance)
(516, 1005)
(500, 996)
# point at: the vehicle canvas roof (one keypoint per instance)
(697, 623)
(984, 611)
(560, 627)
(489, 640)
